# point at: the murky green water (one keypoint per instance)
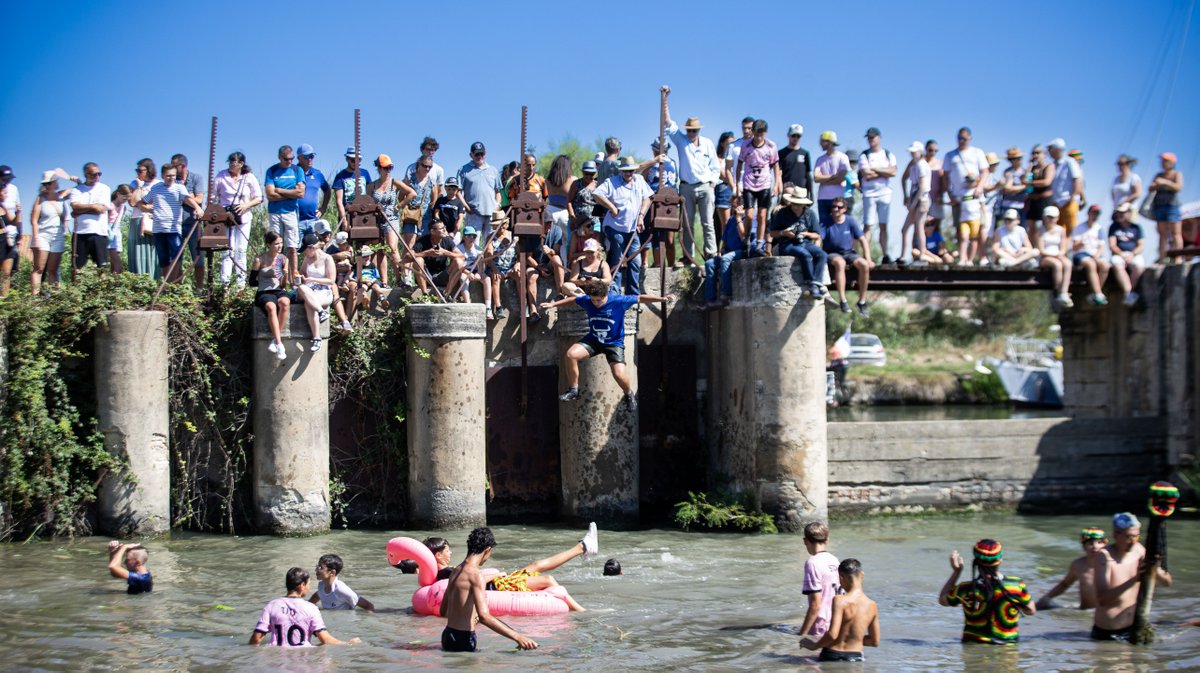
(688, 602)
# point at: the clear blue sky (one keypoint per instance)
(112, 83)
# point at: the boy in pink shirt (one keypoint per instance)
(761, 179)
(821, 582)
(291, 621)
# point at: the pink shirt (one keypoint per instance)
(756, 165)
(821, 574)
(290, 622)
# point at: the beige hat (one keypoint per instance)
(365, 251)
(1050, 211)
(1124, 208)
(499, 216)
(693, 123)
(797, 196)
(1012, 214)
(992, 158)
(49, 176)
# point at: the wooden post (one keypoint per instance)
(1163, 496)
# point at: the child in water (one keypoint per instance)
(128, 562)
(291, 621)
(606, 334)
(855, 620)
(820, 580)
(992, 604)
(1093, 541)
(332, 593)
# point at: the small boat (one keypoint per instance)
(1031, 371)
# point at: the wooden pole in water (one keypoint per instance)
(1163, 496)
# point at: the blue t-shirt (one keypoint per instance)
(730, 237)
(606, 323)
(282, 178)
(314, 186)
(1127, 237)
(839, 238)
(140, 583)
(933, 242)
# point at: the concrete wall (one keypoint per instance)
(1039, 464)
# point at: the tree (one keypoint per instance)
(570, 146)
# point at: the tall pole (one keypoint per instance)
(522, 263)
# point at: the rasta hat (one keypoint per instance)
(1125, 521)
(988, 552)
(1163, 496)
(1092, 534)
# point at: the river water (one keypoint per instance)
(689, 601)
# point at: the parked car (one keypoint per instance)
(867, 349)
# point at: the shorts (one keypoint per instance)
(1068, 213)
(286, 225)
(1035, 207)
(93, 247)
(1137, 261)
(515, 581)
(54, 240)
(1009, 263)
(1111, 634)
(760, 198)
(969, 229)
(168, 246)
(876, 210)
(723, 194)
(454, 640)
(850, 256)
(835, 655)
(1167, 212)
(7, 251)
(614, 354)
(1077, 258)
(193, 241)
(323, 294)
(265, 297)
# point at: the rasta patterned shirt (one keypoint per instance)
(990, 619)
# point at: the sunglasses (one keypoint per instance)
(385, 168)
(291, 158)
(308, 156)
(476, 154)
(93, 175)
(142, 169)
(425, 166)
(837, 207)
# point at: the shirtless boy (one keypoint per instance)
(1093, 540)
(128, 562)
(1117, 568)
(855, 621)
(465, 601)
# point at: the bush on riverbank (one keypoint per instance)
(723, 511)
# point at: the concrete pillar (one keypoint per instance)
(132, 401)
(782, 364)
(598, 438)
(1177, 372)
(447, 442)
(291, 429)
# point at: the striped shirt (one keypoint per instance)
(168, 207)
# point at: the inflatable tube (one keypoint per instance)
(427, 600)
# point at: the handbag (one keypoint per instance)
(410, 214)
(1147, 208)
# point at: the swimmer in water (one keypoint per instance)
(992, 603)
(1093, 540)
(332, 593)
(855, 620)
(291, 621)
(128, 562)
(1118, 569)
(612, 567)
(530, 578)
(465, 601)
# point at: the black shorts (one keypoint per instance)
(7, 251)
(614, 354)
(265, 297)
(1035, 206)
(93, 247)
(1111, 634)
(850, 256)
(454, 640)
(760, 198)
(834, 655)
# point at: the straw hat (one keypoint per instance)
(797, 196)
(1014, 152)
(692, 123)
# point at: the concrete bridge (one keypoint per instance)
(730, 400)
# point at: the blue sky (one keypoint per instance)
(103, 82)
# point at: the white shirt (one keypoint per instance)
(627, 198)
(877, 188)
(1121, 189)
(697, 161)
(91, 223)
(1015, 239)
(958, 165)
(1066, 170)
(919, 179)
(12, 202)
(341, 597)
(1093, 239)
(437, 173)
(243, 189)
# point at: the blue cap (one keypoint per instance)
(305, 150)
(470, 231)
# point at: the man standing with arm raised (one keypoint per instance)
(699, 171)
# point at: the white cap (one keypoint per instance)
(795, 130)
(916, 146)
(341, 237)
(1059, 143)
(1012, 214)
(1050, 211)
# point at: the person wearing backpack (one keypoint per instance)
(876, 168)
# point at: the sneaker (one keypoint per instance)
(1098, 300)
(917, 263)
(862, 309)
(630, 401)
(316, 345)
(487, 312)
(902, 263)
(1131, 298)
(323, 315)
(384, 304)
(817, 291)
(571, 395)
(281, 353)
(589, 542)
(1064, 300)
(886, 260)
(501, 314)
(844, 306)
(345, 327)
(273, 347)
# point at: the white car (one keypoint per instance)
(867, 349)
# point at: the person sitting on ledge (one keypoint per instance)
(606, 334)
(797, 232)
(841, 233)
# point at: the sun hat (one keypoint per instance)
(589, 166)
(1169, 156)
(1124, 208)
(1050, 211)
(351, 153)
(591, 245)
(797, 196)
(1012, 214)
(499, 216)
(692, 123)
(1127, 159)
(852, 155)
(1014, 152)
(830, 136)
(49, 176)
(992, 158)
(916, 146)
(988, 552)
(365, 251)
(1059, 143)
(628, 164)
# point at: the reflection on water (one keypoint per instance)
(689, 601)
(936, 412)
